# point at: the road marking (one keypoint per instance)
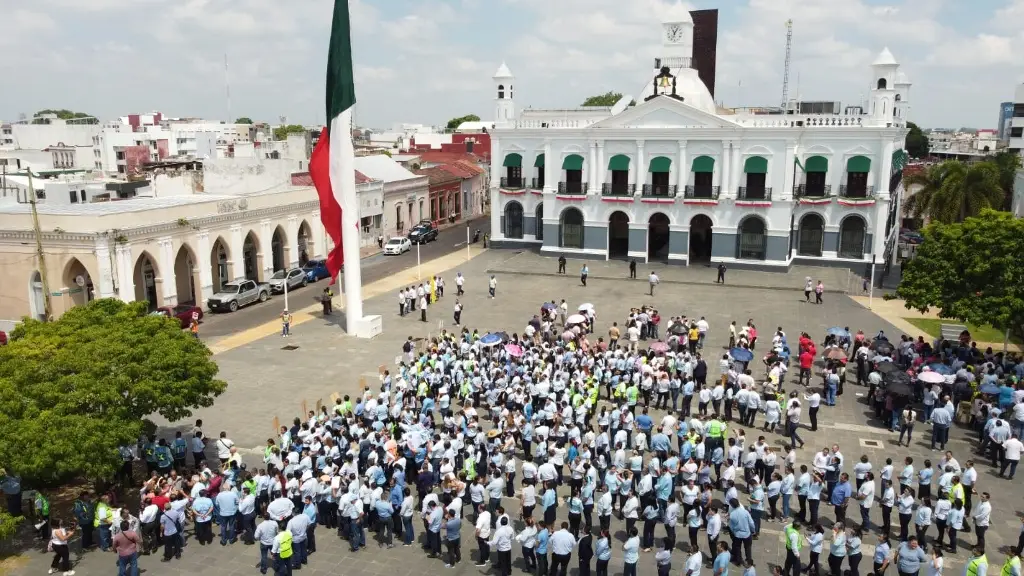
(459, 244)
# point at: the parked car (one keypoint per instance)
(422, 233)
(234, 295)
(296, 278)
(316, 270)
(183, 312)
(397, 246)
(3, 338)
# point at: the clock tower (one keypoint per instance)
(676, 38)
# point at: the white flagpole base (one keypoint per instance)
(366, 327)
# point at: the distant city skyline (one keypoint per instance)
(428, 61)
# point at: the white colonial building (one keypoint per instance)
(675, 178)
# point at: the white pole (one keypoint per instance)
(871, 287)
(343, 180)
(286, 291)
(418, 275)
(467, 242)
(1006, 341)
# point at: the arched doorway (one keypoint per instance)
(306, 247)
(618, 235)
(700, 239)
(852, 233)
(146, 274)
(657, 237)
(513, 220)
(36, 298)
(538, 218)
(570, 228)
(810, 235)
(220, 264)
(185, 275)
(78, 283)
(752, 241)
(251, 257)
(278, 245)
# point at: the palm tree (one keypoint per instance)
(953, 191)
(1007, 163)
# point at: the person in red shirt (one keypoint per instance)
(806, 362)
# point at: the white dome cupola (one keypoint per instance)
(884, 72)
(504, 106)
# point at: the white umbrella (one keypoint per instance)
(575, 319)
(587, 306)
(931, 377)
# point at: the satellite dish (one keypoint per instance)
(622, 104)
(80, 280)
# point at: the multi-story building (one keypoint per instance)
(1016, 131)
(674, 178)
(1005, 115)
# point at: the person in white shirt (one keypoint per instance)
(694, 562)
(1011, 456)
(502, 544)
(483, 533)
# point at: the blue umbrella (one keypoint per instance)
(549, 306)
(838, 331)
(741, 354)
(941, 368)
(989, 389)
(490, 340)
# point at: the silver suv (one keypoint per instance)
(296, 278)
(234, 295)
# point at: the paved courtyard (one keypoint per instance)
(267, 381)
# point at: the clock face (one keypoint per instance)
(674, 33)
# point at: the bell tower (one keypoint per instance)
(883, 88)
(504, 106)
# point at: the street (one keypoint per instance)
(374, 268)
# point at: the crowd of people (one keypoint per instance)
(522, 439)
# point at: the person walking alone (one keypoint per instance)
(721, 274)
(632, 268)
(584, 272)
(818, 291)
(458, 312)
(286, 324)
(423, 308)
(653, 280)
(492, 286)
(561, 263)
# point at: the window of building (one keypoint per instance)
(1016, 132)
(74, 196)
(82, 193)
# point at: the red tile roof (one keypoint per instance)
(438, 175)
(304, 179)
(440, 157)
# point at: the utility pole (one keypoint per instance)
(47, 307)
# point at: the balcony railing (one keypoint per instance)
(512, 183)
(673, 62)
(754, 193)
(805, 191)
(579, 188)
(609, 189)
(537, 184)
(659, 190)
(701, 192)
(855, 192)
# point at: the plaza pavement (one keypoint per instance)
(266, 381)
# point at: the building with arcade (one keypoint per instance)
(669, 176)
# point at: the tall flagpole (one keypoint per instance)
(343, 180)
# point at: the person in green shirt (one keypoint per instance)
(42, 510)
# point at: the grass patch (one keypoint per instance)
(986, 333)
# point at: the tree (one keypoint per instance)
(1007, 163)
(75, 389)
(970, 271)
(455, 122)
(952, 191)
(64, 114)
(282, 132)
(606, 99)
(917, 143)
(8, 524)
(244, 120)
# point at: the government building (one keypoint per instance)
(671, 177)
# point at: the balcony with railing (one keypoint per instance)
(513, 183)
(862, 192)
(812, 191)
(610, 189)
(659, 191)
(572, 188)
(536, 184)
(754, 193)
(701, 192)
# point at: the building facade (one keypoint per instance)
(674, 178)
(1005, 114)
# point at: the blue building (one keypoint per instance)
(1005, 114)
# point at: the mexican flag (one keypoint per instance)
(332, 165)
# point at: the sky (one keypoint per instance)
(425, 61)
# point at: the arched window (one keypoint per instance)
(810, 235)
(752, 239)
(501, 91)
(852, 233)
(539, 220)
(571, 228)
(513, 220)
(881, 83)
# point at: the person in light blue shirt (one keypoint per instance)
(924, 480)
(910, 556)
(742, 528)
(603, 552)
(630, 553)
(227, 508)
(549, 503)
(837, 548)
(541, 549)
(880, 560)
(720, 567)
(853, 552)
(815, 544)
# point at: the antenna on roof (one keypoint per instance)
(227, 87)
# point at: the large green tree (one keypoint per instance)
(73, 390)
(455, 122)
(970, 271)
(282, 132)
(916, 143)
(244, 120)
(607, 99)
(64, 114)
(1007, 163)
(952, 191)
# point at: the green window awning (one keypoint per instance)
(539, 161)
(661, 164)
(816, 164)
(619, 162)
(703, 164)
(514, 160)
(572, 162)
(858, 164)
(756, 165)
